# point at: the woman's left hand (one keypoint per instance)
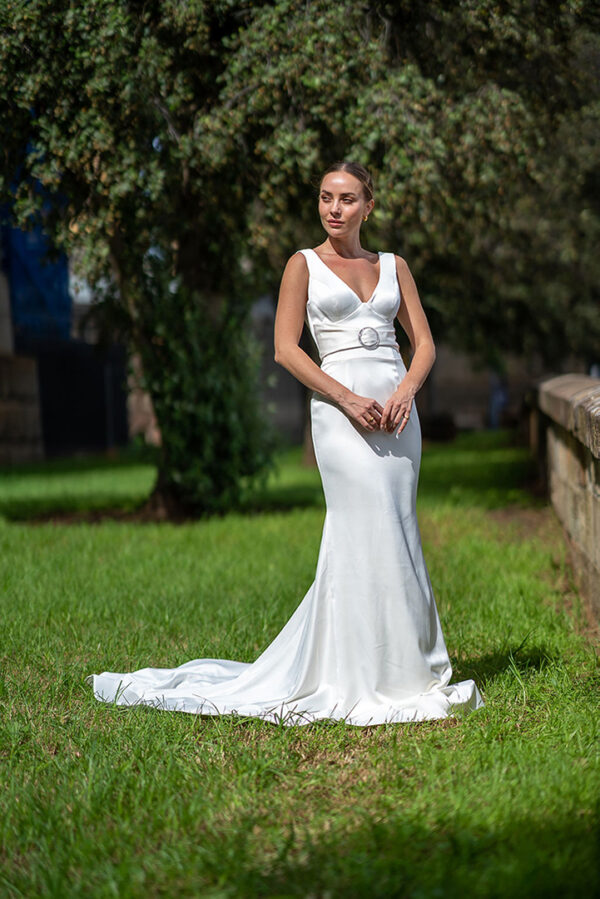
(396, 412)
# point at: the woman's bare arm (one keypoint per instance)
(289, 321)
(414, 321)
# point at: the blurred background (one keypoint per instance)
(160, 162)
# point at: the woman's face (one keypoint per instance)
(342, 204)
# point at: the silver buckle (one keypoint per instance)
(369, 338)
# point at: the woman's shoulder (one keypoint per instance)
(388, 254)
(397, 258)
(298, 258)
(297, 265)
(401, 263)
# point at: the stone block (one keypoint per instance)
(31, 425)
(573, 401)
(18, 377)
(23, 382)
(594, 476)
(9, 425)
(20, 452)
(595, 537)
(572, 406)
(587, 576)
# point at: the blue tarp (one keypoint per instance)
(39, 290)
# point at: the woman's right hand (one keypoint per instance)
(362, 410)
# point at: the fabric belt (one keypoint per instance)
(358, 346)
(366, 338)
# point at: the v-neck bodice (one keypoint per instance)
(336, 316)
(351, 289)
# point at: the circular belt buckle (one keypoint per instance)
(369, 338)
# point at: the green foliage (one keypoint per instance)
(480, 121)
(200, 365)
(198, 129)
(101, 107)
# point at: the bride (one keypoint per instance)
(365, 645)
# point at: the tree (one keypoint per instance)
(181, 141)
(480, 121)
(102, 105)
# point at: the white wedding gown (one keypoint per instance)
(365, 644)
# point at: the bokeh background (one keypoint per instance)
(159, 163)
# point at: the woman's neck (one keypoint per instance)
(348, 248)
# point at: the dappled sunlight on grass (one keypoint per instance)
(78, 485)
(99, 800)
(485, 469)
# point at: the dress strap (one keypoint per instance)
(387, 263)
(388, 273)
(309, 255)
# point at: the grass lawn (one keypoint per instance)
(101, 801)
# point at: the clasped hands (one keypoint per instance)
(371, 416)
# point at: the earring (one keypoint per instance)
(365, 218)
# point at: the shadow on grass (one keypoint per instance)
(486, 668)
(91, 508)
(284, 499)
(488, 469)
(82, 488)
(399, 858)
(70, 508)
(122, 459)
(481, 469)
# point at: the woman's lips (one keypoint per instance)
(335, 224)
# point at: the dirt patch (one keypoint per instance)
(525, 523)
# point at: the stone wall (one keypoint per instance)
(20, 420)
(570, 421)
(6, 335)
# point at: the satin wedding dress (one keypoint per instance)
(365, 644)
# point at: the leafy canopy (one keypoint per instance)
(176, 148)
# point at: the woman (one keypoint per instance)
(365, 645)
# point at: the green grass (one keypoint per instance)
(101, 801)
(83, 485)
